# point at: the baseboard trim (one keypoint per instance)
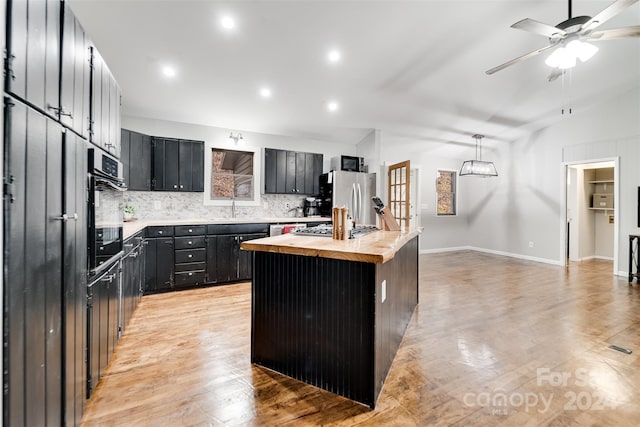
(493, 252)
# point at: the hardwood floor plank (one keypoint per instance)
(487, 326)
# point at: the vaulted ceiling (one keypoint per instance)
(411, 68)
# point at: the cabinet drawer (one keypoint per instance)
(189, 278)
(191, 266)
(237, 228)
(189, 242)
(190, 230)
(190, 255)
(165, 231)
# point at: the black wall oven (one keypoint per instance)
(106, 197)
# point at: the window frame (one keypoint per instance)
(208, 173)
(455, 192)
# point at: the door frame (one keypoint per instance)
(616, 213)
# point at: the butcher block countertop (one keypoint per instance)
(377, 247)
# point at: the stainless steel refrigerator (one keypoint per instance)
(349, 189)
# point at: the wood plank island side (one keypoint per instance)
(331, 320)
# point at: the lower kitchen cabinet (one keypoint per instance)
(159, 264)
(102, 323)
(132, 279)
(245, 258)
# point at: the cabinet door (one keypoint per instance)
(139, 160)
(34, 264)
(34, 53)
(74, 78)
(184, 165)
(95, 113)
(105, 81)
(113, 290)
(165, 163)
(227, 247)
(317, 171)
(270, 167)
(197, 166)
(164, 264)
(113, 139)
(245, 258)
(212, 258)
(125, 158)
(281, 172)
(301, 159)
(290, 176)
(74, 276)
(309, 173)
(150, 256)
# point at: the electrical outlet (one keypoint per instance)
(265, 205)
(384, 291)
(530, 244)
(287, 205)
(157, 205)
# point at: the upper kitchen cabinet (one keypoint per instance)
(105, 106)
(33, 53)
(178, 165)
(74, 75)
(135, 155)
(291, 172)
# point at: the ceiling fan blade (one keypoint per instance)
(612, 10)
(519, 59)
(536, 27)
(615, 33)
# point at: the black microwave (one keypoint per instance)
(348, 163)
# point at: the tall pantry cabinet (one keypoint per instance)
(47, 124)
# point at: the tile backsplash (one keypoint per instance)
(190, 205)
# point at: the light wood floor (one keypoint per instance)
(487, 330)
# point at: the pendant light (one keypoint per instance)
(478, 167)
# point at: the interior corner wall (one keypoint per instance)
(524, 204)
(369, 148)
(439, 232)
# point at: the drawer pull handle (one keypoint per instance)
(190, 274)
(160, 232)
(191, 243)
(189, 256)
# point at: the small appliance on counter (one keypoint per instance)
(312, 207)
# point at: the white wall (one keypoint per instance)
(525, 203)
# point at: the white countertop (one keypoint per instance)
(132, 227)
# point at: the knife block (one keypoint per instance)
(387, 221)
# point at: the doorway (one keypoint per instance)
(590, 229)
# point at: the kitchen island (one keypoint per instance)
(332, 313)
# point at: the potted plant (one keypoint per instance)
(128, 212)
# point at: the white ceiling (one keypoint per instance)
(414, 69)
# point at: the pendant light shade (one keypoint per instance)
(478, 167)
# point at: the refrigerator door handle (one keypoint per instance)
(359, 204)
(353, 200)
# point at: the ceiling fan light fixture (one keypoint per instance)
(582, 50)
(567, 61)
(554, 59)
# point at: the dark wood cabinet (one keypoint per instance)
(178, 165)
(73, 110)
(45, 268)
(132, 279)
(225, 261)
(135, 155)
(33, 44)
(104, 106)
(159, 264)
(291, 172)
(102, 323)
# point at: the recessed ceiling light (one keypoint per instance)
(334, 56)
(265, 92)
(227, 22)
(168, 71)
(332, 106)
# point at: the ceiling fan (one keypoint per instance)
(569, 39)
